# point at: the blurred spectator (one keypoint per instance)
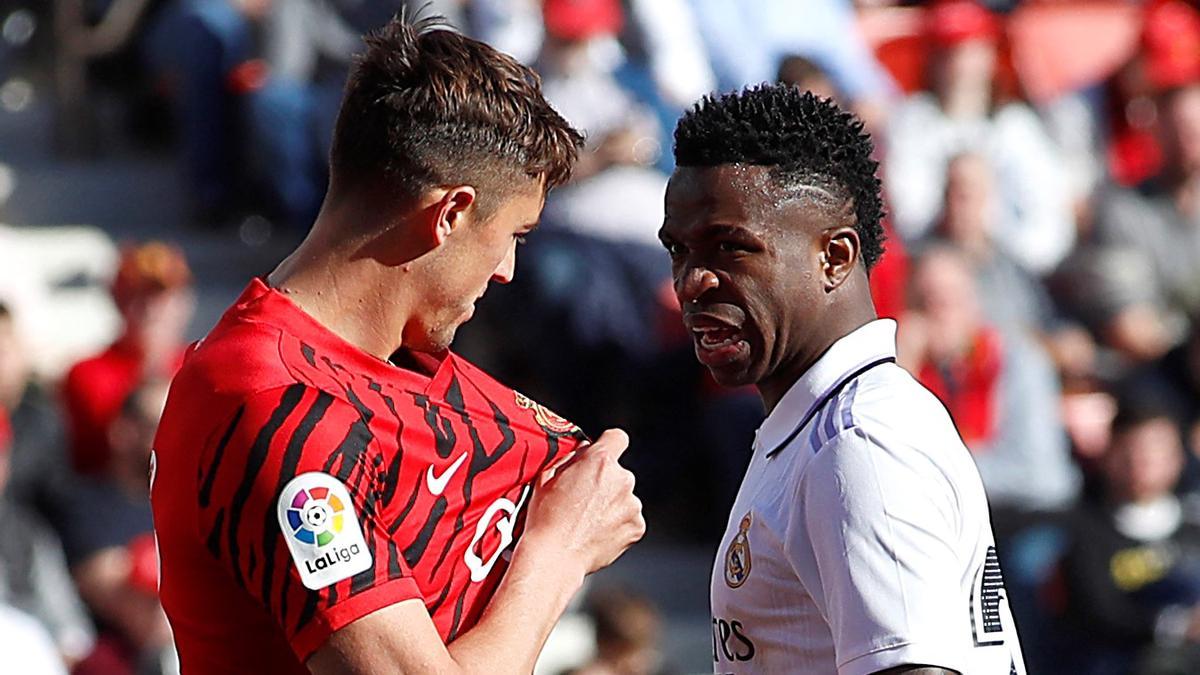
(194, 49)
(26, 647)
(307, 47)
(1016, 301)
(1175, 380)
(964, 110)
(108, 538)
(748, 41)
(1136, 279)
(1132, 573)
(614, 193)
(1167, 55)
(628, 632)
(999, 387)
(38, 459)
(662, 61)
(807, 75)
(33, 575)
(152, 292)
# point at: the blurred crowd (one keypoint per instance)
(1041, 166)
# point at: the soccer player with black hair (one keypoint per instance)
(334, 491)
(860, 540)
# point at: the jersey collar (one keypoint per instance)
(271, 306)
(849, 354)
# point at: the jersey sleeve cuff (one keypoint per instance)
(345, 612)
(905, 653)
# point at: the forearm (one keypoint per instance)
(510, 634)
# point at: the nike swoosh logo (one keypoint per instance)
(437, 484)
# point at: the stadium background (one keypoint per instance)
(1040, 160)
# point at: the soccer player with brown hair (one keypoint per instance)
(334, 490)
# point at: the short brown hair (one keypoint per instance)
(426, 106)
(148, 268)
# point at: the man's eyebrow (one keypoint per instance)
(718, 229)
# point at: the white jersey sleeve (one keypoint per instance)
(874, 539)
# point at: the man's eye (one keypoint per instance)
(730, 247)
(674, 249)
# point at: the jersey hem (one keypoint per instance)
(310, 638)
(905, 653)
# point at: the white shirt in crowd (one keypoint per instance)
(860, 539)
(1034, 220)
(26, 646)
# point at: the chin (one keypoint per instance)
(733, 377)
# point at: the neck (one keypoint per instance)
(966, 102)
(340, 288)
(842, 318)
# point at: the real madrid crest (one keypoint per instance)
(737, 556)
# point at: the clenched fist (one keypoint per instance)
(585, 510)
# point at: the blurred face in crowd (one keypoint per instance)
(1144, 462)
(1181, 128)
(969, 194)
(157, 321)
(965, 65)
(131, 435)
(467, 258)
(942, 288)
(745, 256)
(807, 76)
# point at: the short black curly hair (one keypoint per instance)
(806, 138)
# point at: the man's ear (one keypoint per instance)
(840, 247)
(841, 250)
(450, 211)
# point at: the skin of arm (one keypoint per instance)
(580, 519)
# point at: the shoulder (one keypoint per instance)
(888, 427)
(889, 403)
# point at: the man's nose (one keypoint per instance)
(508, 267)
(693, 283)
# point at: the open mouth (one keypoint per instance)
(715, 337)
(718, 344)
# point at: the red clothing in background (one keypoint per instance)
(94, 391)
(970, 388)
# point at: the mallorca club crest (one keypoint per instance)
(546, 418)
(737, 556)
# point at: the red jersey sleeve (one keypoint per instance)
(289, 504)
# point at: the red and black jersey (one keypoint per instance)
(269, 418)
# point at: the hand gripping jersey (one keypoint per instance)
(300, 484)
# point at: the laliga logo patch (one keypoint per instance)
(737, 556)
(545, 417)
(322, 532)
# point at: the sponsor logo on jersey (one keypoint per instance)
(737, 556)
(546, 418)
(322, 530)
(730, 642)
(437, 484)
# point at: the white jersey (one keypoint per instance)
(860, 539)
